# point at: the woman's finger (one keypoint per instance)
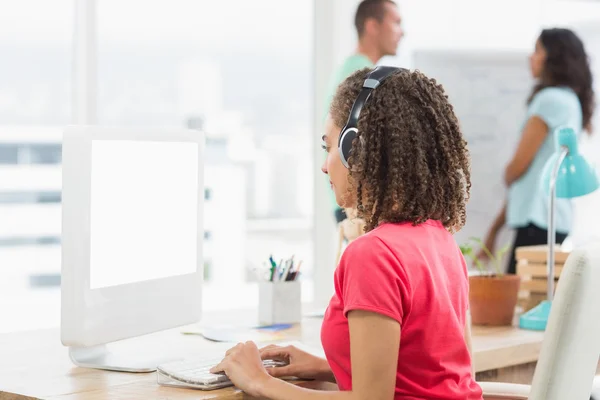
(271, 346)
(217, 368)
(279, 372)
(275, 354)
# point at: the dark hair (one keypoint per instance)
(409, 161)
(369, 9)
(567, 64)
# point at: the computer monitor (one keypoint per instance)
(132, 233)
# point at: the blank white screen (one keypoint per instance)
(144, 206)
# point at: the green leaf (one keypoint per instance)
(483, 247)
(465, 249)
(500, 257)
(479, 264)
(468, 251)
(500, 253)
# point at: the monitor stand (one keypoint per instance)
(100, 357)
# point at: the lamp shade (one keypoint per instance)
(576, 177)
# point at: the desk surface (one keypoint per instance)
(35, 364)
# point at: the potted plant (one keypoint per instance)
(493, 294)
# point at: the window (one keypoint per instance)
(214, 66)
(34, 105)
(219, 67)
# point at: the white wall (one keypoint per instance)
(508, 25)
(586, 222)
(447, 24)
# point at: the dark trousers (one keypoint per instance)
(530, 235)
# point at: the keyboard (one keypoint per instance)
(194, 373)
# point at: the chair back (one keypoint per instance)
(571, 348)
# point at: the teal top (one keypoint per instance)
(527, 198)
(349, 66)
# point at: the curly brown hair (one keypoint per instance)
(409, 161)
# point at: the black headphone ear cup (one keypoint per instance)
(345, 144)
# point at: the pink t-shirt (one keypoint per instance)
(417, 276)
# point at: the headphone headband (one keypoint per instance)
(350, 130)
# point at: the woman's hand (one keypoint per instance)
(243, 366)
(300, 363)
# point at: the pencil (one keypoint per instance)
(297, 271)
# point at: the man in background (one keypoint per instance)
(378, 25)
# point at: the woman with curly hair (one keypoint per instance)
(397, 326)
(562, 96)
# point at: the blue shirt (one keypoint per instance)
(527, 198)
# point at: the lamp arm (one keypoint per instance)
(551, 223)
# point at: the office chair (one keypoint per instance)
(571, 346)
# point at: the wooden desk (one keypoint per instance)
(35, 364)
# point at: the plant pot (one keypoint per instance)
(492, 299)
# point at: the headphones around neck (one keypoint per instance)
(350, 130)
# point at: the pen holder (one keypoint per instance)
(279, 302)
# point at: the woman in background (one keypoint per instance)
(562, 96)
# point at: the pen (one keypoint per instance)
(297, 271)
(273, 266)
(286, 271)
(279, 269)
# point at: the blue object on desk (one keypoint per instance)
(537, 318)
(274, 328)
(566, 175)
